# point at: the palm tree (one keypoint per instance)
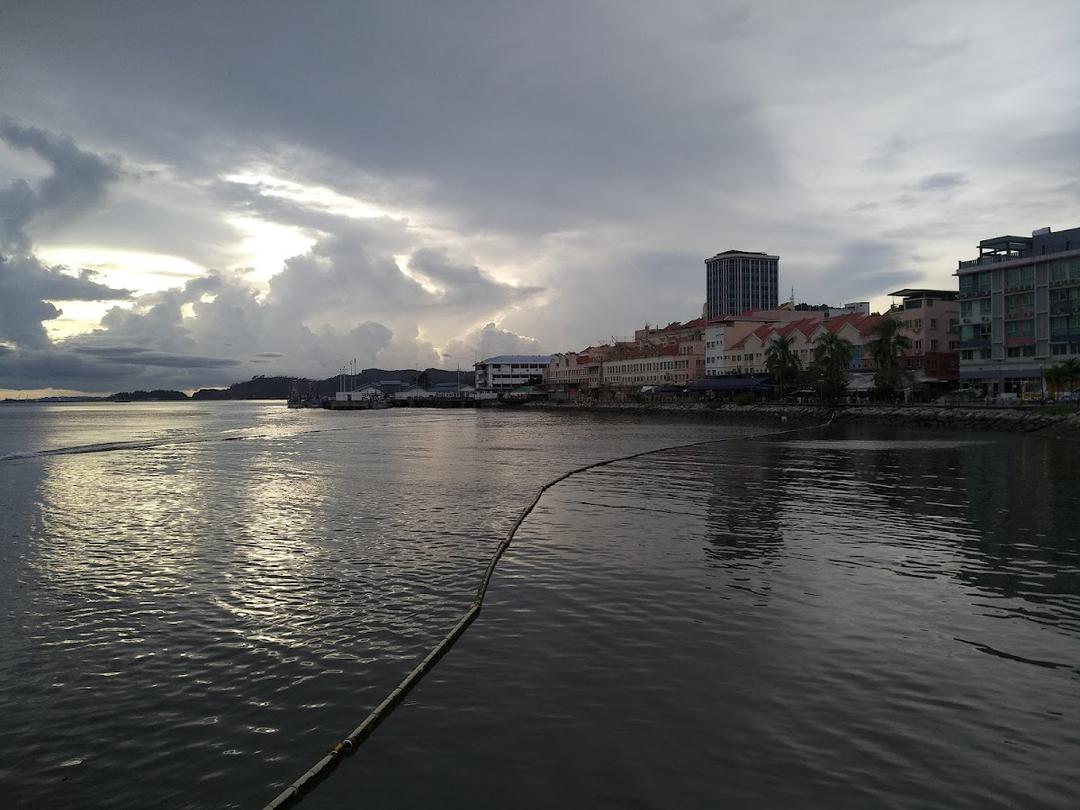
(832, 357)
(885, 350)
(781, 362)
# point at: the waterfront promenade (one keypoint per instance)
(1062, 421)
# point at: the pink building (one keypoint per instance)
(931, 321)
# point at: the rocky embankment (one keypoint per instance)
(965, 418)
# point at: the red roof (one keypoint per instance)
(761, 332)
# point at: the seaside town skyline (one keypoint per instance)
(264, 218)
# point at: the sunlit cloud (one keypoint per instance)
(77, 317)
(318, 197)
(266, 245)
(133, 270)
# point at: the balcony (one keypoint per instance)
(976, 343)
(1020, 315)
(963, 296)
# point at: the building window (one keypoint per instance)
(1020, 328)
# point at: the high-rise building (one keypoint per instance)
(737, 281)
(1019, 310)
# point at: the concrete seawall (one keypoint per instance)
(1029, 419)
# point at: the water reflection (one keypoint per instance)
(765, 624)
(214, 614)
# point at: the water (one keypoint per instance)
(850, 617)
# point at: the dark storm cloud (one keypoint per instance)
(137, 355)
(517, 114)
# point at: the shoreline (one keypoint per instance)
(1014, 420)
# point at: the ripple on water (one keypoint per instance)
(787, 638)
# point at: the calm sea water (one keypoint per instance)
(196, 600)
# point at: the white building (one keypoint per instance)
(364, 394)
(509, 371)
(452, 391)
(412, 393)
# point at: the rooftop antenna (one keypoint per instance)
(793, 295)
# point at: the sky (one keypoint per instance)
(194, 193)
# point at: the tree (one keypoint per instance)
(886, 350)
(1055, 379)
(781, 362)
(832, 357)
(1071, 372)
(1063, 375)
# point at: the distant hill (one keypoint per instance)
(261, 387)
(157, 395)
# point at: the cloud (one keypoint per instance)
(943, 181)
(26, 289)
(461, 285)
(77, 180)
(555, 172)
(489, 341)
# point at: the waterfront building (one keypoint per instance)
(365, 393)
(930, 319)
(723, 332)
(674, 332)
(509, 371)
(1019, 310)
(747, 355)
(573, 374)
(740, 281)
(648, 365)
(450, 390)
(413, 393)
(689, 337)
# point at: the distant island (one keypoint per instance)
(263, 387)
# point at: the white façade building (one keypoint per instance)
(509, 371)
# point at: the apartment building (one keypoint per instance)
(740, 281)
(1019, 310)
(930, 320)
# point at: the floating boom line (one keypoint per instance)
(297, 789)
